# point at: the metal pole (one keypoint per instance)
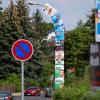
(35, 4)
(22, 80)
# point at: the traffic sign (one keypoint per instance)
(22, 50)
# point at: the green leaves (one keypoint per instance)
(77, 44)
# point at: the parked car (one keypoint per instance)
(6, 95)
(32, 91)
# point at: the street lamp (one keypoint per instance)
(35, 4)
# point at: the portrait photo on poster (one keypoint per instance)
(59, 55)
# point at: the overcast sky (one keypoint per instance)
(71, 10)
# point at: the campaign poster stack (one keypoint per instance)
(95, 64)
(97, 21)
(58, 43)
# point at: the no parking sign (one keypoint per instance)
(22, 50)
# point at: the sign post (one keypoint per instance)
(22, 50)
(57, 40)
(22, 84)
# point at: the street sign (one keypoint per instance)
(22, 50)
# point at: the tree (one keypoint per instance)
(9, 28)
(15, 23)
(42, 51)
(77, 49)
(90, 23)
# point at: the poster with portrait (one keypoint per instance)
(49, 10)
(59, 73)
(59, 55)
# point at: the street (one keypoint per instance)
(32, 98)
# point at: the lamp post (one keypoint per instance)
(30, 3)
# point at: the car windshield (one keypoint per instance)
(3, 95)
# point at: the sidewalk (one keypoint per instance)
(16, 94)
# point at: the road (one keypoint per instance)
(32, 98)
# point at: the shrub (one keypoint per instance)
(12, 83)
(31, 82)
(73, 91)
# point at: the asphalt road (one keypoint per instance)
(32, 98)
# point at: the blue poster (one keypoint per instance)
(98, 4)
(98, 28)
(58, 24)
(55, 18)
(59, 28)
(60, 37)
(59, 33)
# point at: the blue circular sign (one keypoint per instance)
(22, 50)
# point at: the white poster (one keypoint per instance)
(94, 61)
(59, 55)
(94, 48)
(49, 10)
(59, 67)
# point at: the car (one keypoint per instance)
(6, 95)
(32, 91)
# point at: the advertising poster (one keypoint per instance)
(59, 67)
(59, 62)
(97, 21)
(51, 39)
(59, 55)
(97, 4)
(58, 85)
(59, 73)
(55, 18)
(59, 79)
(59, 48)
(94, 48)
(57, 39)
(49, 10)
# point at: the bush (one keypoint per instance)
(73, 91)
(12, 83)
(31, 82)
(91, 96)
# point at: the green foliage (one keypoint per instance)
(12, 82)
(15, 23)
(91, 96)
(77, 44)
(72, 92)
(31, 82)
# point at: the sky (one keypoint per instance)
(70, 10)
